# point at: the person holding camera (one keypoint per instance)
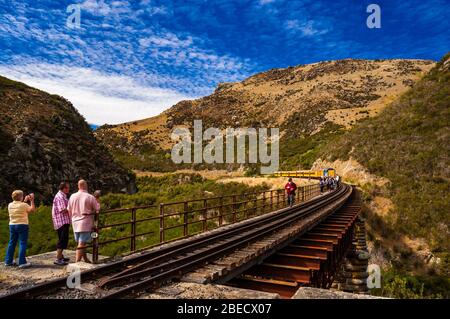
(18, 211)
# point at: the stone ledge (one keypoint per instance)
(185, 290)
(319, 293)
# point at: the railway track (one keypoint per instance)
(310, 260)
(152, 269)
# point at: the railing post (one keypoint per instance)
(204, 215)
(278, 198)
(220, 211)
(271, 200)
(234, 208)
(161, 223)
(95, 240)
(284, 199)
(264, 203)
(133, 230)
(245, 202)
(185, 219)
(303, 193)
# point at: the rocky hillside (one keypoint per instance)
(44, 140)
(301, 101)
(401, 160)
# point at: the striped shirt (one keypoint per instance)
(59, 216)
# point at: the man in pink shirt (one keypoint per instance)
(82, 207)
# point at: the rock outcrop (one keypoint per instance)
(44, 140)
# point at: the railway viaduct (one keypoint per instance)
(252, 241)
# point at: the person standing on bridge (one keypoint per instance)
(321, 184)
(82, 207)
(18, 227)
(61, 222)
(290, 188)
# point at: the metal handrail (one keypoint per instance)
(229, 210)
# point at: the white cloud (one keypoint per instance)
(100, 98)
(263, 2)
(306, 28)
(172, 49)
(169, 40)
(118, 41)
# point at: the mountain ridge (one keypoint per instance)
(299, 100)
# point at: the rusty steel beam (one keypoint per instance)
(281, 272)
(322, 236)
(284, 288)
(294, 260)
(305, 251)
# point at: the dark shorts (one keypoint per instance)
(63, 236)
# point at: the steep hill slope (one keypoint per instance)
(44, 140)
(408, 146)
(301, 101)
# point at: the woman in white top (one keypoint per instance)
(18, 227)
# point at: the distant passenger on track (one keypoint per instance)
(290, 188)
(82, 207)
(18, 227)
(61, 222)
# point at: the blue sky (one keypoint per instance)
(133, 59)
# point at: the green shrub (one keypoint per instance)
(395, 284)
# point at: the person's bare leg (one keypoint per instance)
(83, 254)
(79, 253)
(59, 254)
(85, 257)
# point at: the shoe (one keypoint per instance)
(10, 265)
(23, 266)
(66, 259)
(60, 262)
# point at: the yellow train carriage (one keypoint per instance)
(307, 173)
